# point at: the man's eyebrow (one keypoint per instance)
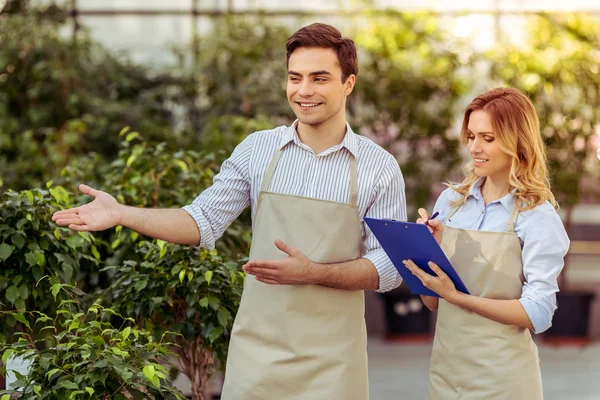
(315, 73)
(322, 72)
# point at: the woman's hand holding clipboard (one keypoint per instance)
(419, 243)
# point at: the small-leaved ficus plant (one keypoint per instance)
(85, 357)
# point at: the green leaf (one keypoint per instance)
(140, 284)
(30, 258)
(124, 131)
(55, 289)
(163, 252)
(68, 271)
(75, 241)
(149, 372)
(51, 373)
(37, 389)
(12, 294)
(18, 240)
(115, 244)
(131, 159)
(224, 316)
(208, 276)
(89, 390)
(24, 292)
(126, 333)
(5, 251)
(204, 302)
(40, 259)
(37, 272)
(181, 165)
(5, 397)
(95, 253)
(214, 302)
(131, 136)
(181, 275)
(20, 305)
(119, 352)
(7, 354)
(21, 318)
(215, 333)
(29, 195)
(69, 385)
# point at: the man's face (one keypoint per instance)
(314, 87)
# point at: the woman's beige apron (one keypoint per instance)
(300, 342)
(474, 357)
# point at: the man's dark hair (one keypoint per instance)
(326, 36)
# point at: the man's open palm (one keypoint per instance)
(102, 213)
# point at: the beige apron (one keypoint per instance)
(474, 357)
(300, 342)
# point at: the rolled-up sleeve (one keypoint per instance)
(544, 248)
(219, 205)
(389, 202)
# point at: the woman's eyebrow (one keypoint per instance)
(480, 133)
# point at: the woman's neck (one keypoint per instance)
(494, 189)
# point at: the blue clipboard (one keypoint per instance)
(410, 241)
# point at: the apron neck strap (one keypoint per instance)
(270, 170)
(510, 225)
(453, 211)
(353, 176)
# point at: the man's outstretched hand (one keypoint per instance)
(103, 212)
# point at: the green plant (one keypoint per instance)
(183, 290)
(31, 247)
(60, 95)
(87, 358)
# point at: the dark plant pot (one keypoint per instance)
(406, 317)
(571, 319)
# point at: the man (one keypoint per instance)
(300, 331)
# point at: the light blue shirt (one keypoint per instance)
(544, 244)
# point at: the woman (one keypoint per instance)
(502, 234)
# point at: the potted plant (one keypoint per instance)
(84, 356)
(191, 292)
(559, 71)
(31, 248)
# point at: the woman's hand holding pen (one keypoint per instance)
(435, 226)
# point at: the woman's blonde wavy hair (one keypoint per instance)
(517, 129)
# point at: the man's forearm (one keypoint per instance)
(172, 225)
(359, 274)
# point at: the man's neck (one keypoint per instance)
(323, 136)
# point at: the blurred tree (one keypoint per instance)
(60, 96)
(559, 68)
(408, 85)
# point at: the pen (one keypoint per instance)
(435, 214)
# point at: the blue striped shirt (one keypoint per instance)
(544, 244)
(301, 172)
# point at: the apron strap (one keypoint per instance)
(510, 225)
(270, 170)
(353, 180)
(353, 176)
(451, 213)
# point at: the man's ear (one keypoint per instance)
(349, 84)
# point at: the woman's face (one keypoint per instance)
(489, 160)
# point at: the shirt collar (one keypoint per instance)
(507, 201)
(350, 141)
